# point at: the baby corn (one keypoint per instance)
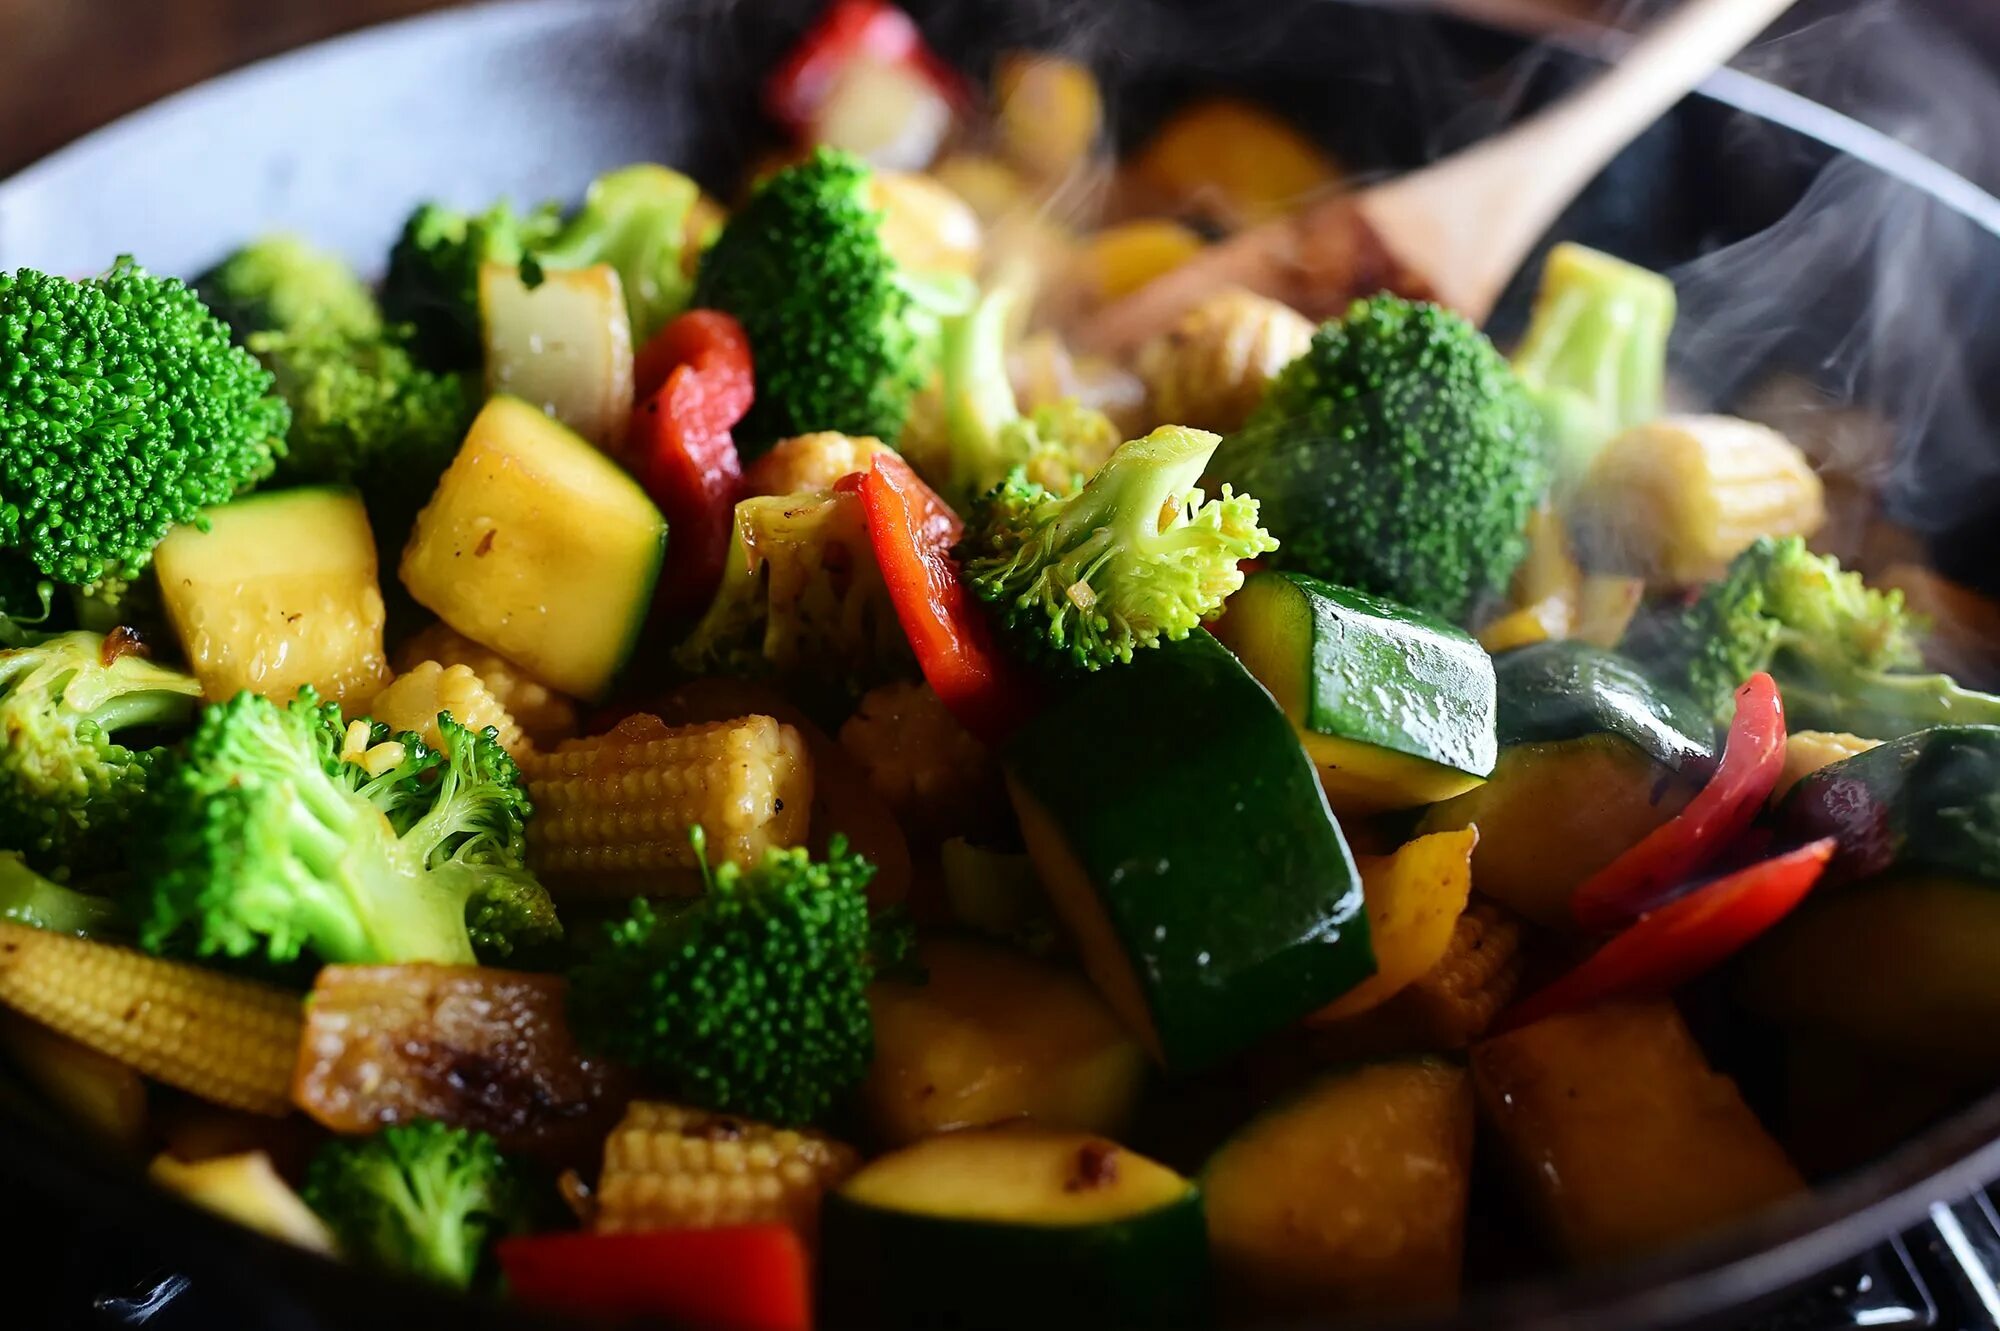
(667, 1167)
(1211, 368)
(544, 715)
(414, 698)
(225, 1039)
(615, 810)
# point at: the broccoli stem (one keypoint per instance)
(1878, 705)
(28, 898)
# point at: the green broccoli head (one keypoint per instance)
(419, 1198)
(1399, 455)
(125, 409)
(842, 335)
(750, 999)
(987, 436)
(1133, 559)
(365, 413)
(636, 220)
(433, 278)
(1841, 652)
(264, 839)
(280, 283)
(69, 786)
(1595, 353)
(27, 897)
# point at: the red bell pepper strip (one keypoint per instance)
(1753, 757)
(912, 531)
(851, 30)
(1687, 936)
(736, 1278)
(695, 381)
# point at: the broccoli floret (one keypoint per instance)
(1399, 455)
(1134, 558)
(124, 409)
(1595, 353)
(68, 786)
(1841, 652)
(634, 219)
(282, 284)
(26, 897)
(420, 1199)
(752, 998)
(263, 838)
(433, 278)
(1058, 446)
(364, 412)
(842, 334)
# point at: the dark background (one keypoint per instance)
(67, 66)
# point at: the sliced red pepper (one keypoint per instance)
(738, 1278)
(912, 531)
(851, 30)
(1753, 757)
(1689, 935)
(696, 382)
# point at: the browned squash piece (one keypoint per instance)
(992, 1035)
(1351, 1194)
(469, 1045)
(1620, 1135)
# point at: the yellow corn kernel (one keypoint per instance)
(416, 696)
(615, 809)
(1118, 260)
(1678, 498)
(1050, 113)
(1210, 369)
(246, 1189)
(106, 1096)
(810, 463)
(925, 227)
(220, 1037)
(924, 765)
(1806, 751)
(667, 1167)
(354, 741)
(1457, 999)
(543, 714)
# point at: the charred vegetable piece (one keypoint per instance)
(466, 1045)
(1396, 707)
(1565, 690)
(106, 1096)
(992, 1035)
(1126, 830)
(1619, 1133)
(1350, 1194)
(1006, 1228)
(1926, 802)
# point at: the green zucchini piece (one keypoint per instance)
(1395, 706)
(1927, 801)
(1006, 1228)
(1565, 690)
(1185, 842)
(1350, 1194)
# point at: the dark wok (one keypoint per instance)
(532, 99)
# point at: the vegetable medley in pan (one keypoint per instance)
(705, 761)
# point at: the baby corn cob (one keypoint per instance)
(809, 463)
(1457, 999)
(544, 715)
(416, 696)
(1678, 498)
(1210, 369)
(666, 1167)
(615, 809)
(225, 1039)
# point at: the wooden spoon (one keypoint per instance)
(1456, 230)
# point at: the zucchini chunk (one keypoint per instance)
(1351, 1194)
(281, 591)
(1015, 1227)
(991, 1035)
(1206, 883)
(539, 547)
(1620, 1135)
(1927, 801)
(1556, 813)
(1565, 690)
(1395, 706)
